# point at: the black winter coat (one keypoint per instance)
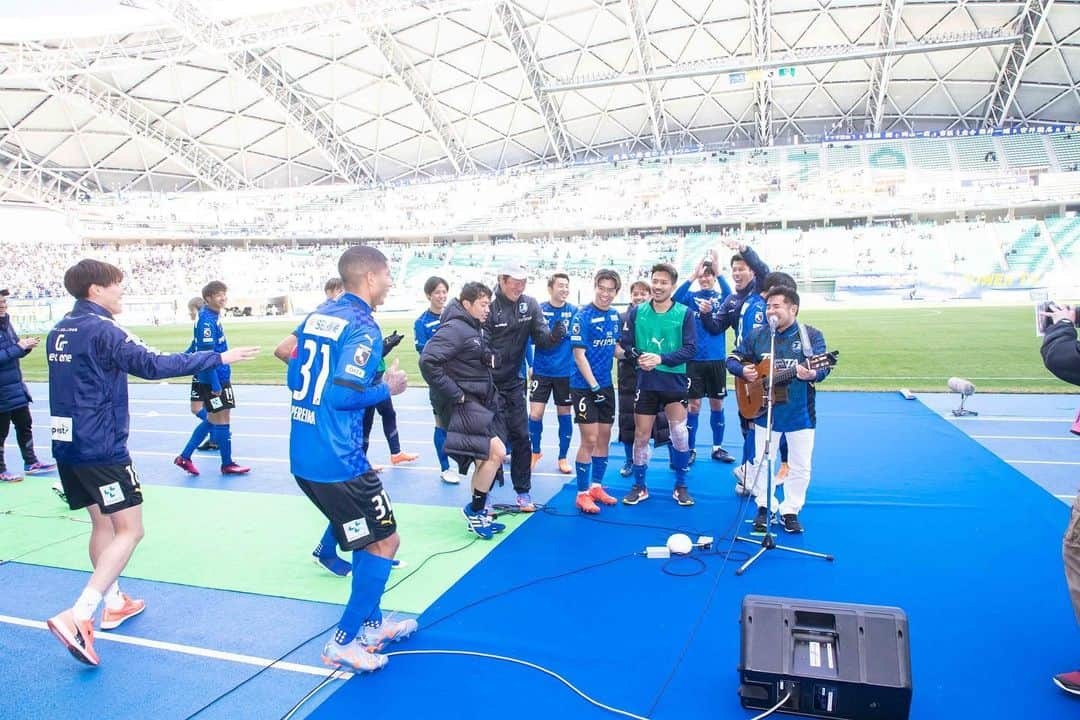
(1061, 352)
(456, 364)
(13, 391)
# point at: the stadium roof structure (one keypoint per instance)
(170, 95)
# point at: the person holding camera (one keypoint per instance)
(457, 363)
(1061, 356)
(15, 397)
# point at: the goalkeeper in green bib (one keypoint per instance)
(659, 335)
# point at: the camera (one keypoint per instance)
(707, 266)
(1042, 324)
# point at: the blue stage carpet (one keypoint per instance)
(917, 514)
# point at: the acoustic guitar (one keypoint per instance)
(752, 395)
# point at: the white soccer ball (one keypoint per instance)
(680, 544)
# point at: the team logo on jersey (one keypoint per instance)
(576, 329)
(208, 332)
(362, 355)
(112, 494)
(759, 317)
(522, 307)
(796, 346)
(355, 529)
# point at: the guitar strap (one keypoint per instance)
(804, 337)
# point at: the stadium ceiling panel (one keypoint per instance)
(275, 93)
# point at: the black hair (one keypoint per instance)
(777, 279)
(473, 291)
(432, 284)
(80, 276)
(557, 276)
(333, 285)
(213, 288)
(608, 274)
(788, 294)
(357, 261)
(666, 268)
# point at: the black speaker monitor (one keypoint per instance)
(835, 660)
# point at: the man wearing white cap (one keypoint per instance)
(514, 318)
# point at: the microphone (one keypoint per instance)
(962, 386)
(772, 322)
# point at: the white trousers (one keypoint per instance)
(800, 451)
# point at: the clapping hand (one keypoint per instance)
(29, 343)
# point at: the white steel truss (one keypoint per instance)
(891, 11)
(142, 122)
(761, 48)
(636, 22)
(33, 179)
(513, 25)
(405, 72)
(1029, 26)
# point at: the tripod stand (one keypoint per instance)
(769, 542)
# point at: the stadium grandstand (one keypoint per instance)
(913, 165)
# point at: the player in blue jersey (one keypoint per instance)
(551, 370)
(339, 347)
(90, 356)
(594, 335)
(659, 336)
(795, 418)
(202, 430)
(386, 412)
(212, 387)
(706, 373)
(436, 289)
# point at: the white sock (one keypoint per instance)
(87, 604)
(113, 599)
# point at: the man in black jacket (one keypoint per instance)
(515, 317)
(1061, 355)
(15, 398)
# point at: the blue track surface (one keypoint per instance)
(917, 515)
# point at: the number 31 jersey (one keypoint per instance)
(332, 379)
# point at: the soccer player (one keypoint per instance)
(639, 293)
(386, 412)
(795, 418)
(659, 335)
(706, 372)
(551, 370)
(90, 357)
(202, 430)
(513, 320)
(436, 289)
(213, 387)
(594, 335)
(15, 397)
(338, 348)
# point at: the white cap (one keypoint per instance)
(514, 269)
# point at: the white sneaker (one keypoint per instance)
(450, 477)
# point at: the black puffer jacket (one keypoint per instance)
(1061, 352)
(456, 364)
(13, 391)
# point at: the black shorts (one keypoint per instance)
(213, 403)
(707, 379)
(587, 411)
(110, 487)
(651, 402)
(558, 388)
(359, 510)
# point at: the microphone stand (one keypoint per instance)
(769, 542)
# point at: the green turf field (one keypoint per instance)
(880, 349)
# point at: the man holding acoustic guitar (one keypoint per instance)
(800, 361)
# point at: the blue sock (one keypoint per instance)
(440, 440)
(748, 449)
(783, 448)
(223, 437)
(681, 460)
(328, 545)
(628, 448)
(566, 434)
(716, 420)
(536, 429)
(370, 573)
(639, 474)
(599, 467)
(582, 476)
(197, 436)
(691, 429)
